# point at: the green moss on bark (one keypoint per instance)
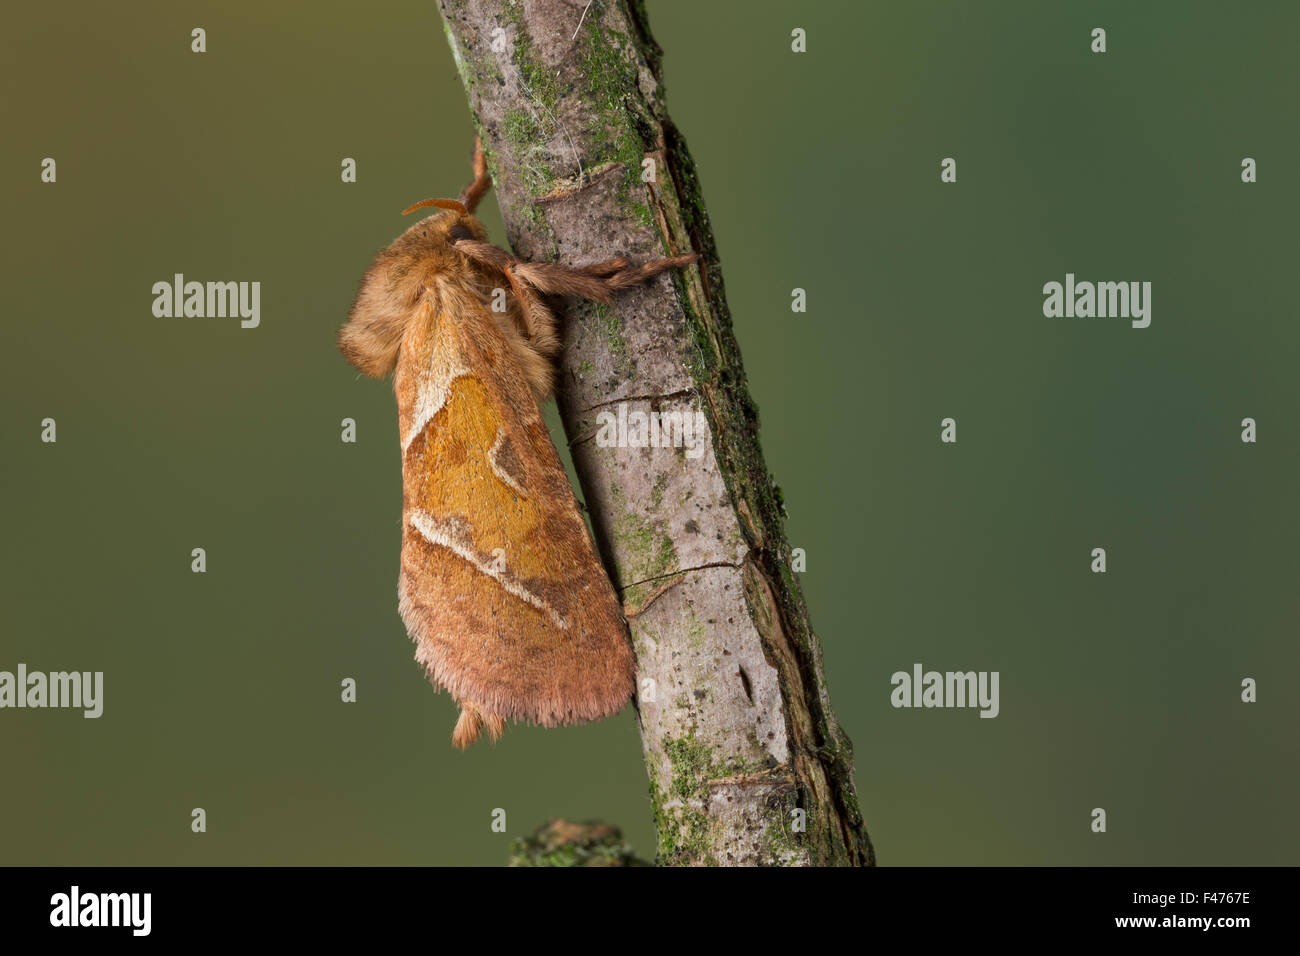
(611, 75)
(643, 552)
(561, 843)
(680, 813)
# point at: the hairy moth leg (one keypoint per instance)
(536, 341)
(473, 718)
(598, 281)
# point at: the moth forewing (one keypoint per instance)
(501, 587)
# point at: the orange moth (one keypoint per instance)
(500, 586)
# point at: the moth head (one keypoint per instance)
(431, 239)
(401, 274)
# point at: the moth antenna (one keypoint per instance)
(482, 181)
(453, 204)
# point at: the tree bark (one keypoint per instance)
(747, 764)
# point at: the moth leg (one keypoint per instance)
(482, 181)
(473, 718)
(538, 321)
(605, 268)
(598, 281)
(537, 342)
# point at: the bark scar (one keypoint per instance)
(574, 185)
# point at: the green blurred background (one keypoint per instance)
(821, 171)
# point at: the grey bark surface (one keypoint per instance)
(746, 762)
